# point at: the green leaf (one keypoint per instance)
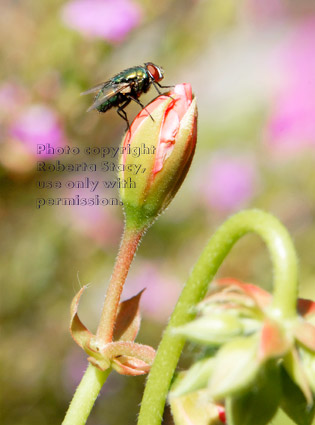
(258, 405)
(294, 403)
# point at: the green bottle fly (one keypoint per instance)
(126, 86)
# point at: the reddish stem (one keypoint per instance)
(127, 250)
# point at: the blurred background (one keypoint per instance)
(251, 64)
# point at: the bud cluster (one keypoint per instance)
(257, 362)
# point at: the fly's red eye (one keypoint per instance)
(155, 72)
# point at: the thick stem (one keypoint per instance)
(284, 261)
(85, 396)
(128, 247)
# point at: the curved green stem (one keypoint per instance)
(85, 396)
(284, 261)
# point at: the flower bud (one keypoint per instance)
(157, 153)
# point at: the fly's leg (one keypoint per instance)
(142, 106)
(122, 113)
(156, 88)
(156, 85)
(164, 87)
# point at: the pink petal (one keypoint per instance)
(260, 296)
(174, 113)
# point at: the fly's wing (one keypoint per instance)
(107, 93)
(95, 88)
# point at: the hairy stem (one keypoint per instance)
(284, 261)
(85, 396)
(93, 379)
(128, 247)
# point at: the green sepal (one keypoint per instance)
(211, 330)
(82, 336)
(308, 362)
(194, 379)
(123, 355)
(260, 403)
(294, 403)
(147, 133)
(235, 369)
(294, 366)
(128, 319)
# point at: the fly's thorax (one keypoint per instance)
(130, 74)
(143, 80)
(137, 77)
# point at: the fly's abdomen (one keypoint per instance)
(109, 103)
(105, 106)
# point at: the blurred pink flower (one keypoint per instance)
(266, 10)
(161, 294)
(228, 182)
(107, 19)
(292, 124)
(37, 124)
